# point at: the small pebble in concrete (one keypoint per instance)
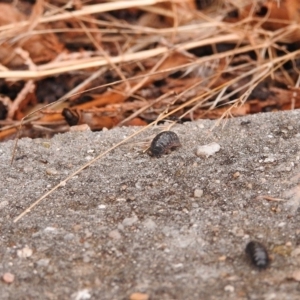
(123, 187)
(281, 224)
(236, 174)
(149, 224)
(3, 204)
(8, 277)
(28, 169)
(89, 157)
(51, 171)
(296, 275)
(208, 150)
(295, 252)
(271, 296)
(222, 258)
(81, 295)
(69, 237)
(198, 193)
(50, 230)
(229, 288)
(46, 145)
(44, 262)
(139, 296)
(130, 221)
(115, 235)
(25, 252)
(269, 159)
(78, 128)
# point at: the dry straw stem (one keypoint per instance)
(269, 198)
(85, 10)
(75, 65)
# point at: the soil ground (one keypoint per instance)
(132, 223)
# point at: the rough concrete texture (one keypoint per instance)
(173, 227)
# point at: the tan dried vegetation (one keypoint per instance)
(112, 63)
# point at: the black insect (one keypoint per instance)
(71, 116)
(247, 122)
(164, 143)
(258, 254)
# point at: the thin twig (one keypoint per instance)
(269, 198)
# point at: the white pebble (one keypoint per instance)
(69, 237)
(229, 288)
(149, 224)
(270, 296)
(269, 159)
(115, 235)
(236, 174)
(89, 157)
(130, 221)
(207, 150)
(51, 230)
(81, 295)
(3, 204)
(25, 252)
(8, 277)
(296, 275)
(198, 193)
(295, 252)
(51, 171)
(44, 262)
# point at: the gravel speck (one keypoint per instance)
(3, 204)
(69, 237)
(24, 252)
(296, 275)
(139, 296)
(81, 295)
(295, 252)
(229, 288)
(8, 277)
(115, 235)
(208, 150)
(198, 193)
(51, 171)
(51, 230)
(129, 221)
(44, 262)
(149, 224)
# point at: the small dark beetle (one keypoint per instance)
(258, 254)
(164, 143)
(71, 116)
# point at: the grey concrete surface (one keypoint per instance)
(173, 228)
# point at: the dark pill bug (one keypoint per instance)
(258, 254)
(247, 122)
(164, 143)
(71, 116)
